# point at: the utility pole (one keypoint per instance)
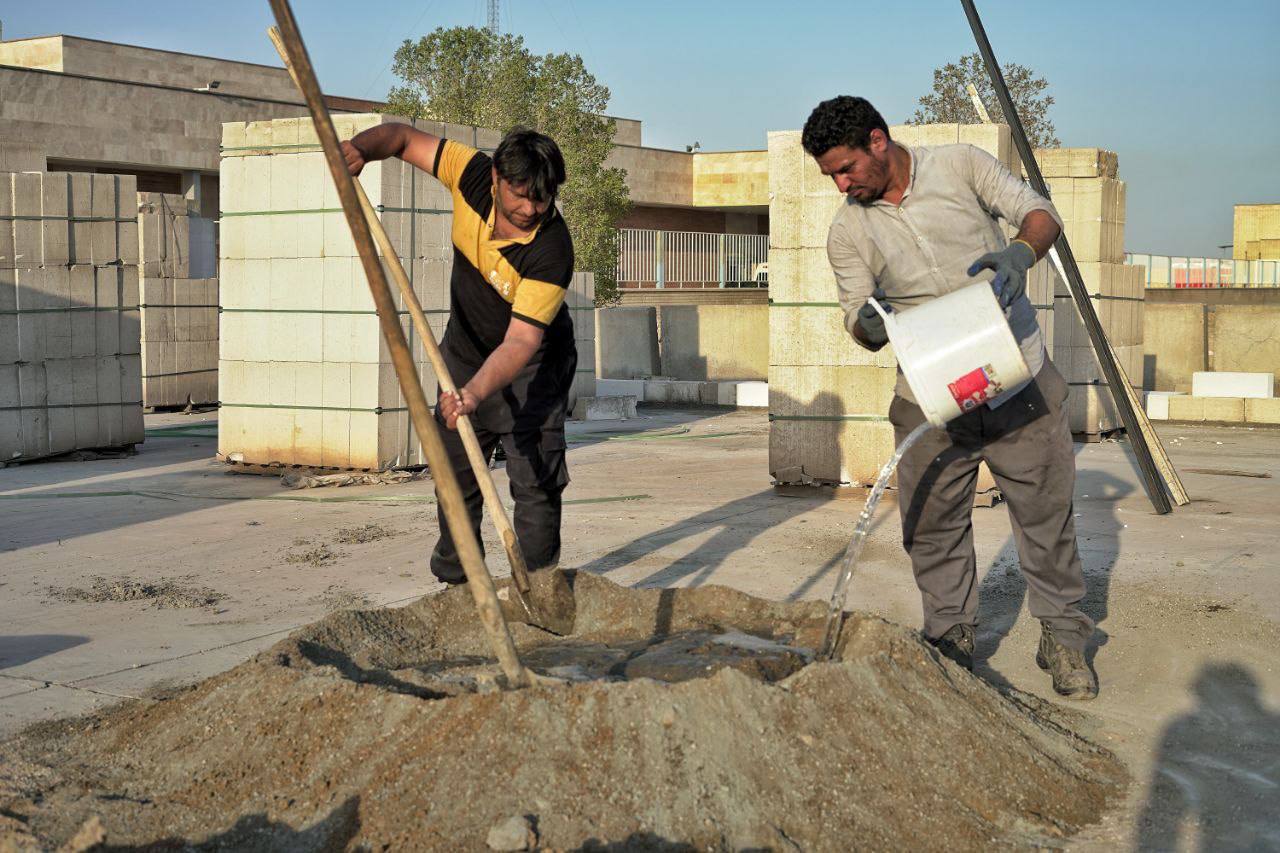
(495, 23)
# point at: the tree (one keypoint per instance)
(468, 75)
(950, 102)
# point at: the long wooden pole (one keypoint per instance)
(1163, 463)
(1167, 471)
(1075, 282)
(479, 464)
(451, 503)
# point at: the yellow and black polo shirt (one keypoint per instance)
(495, 280)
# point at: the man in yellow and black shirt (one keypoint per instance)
(509, 344)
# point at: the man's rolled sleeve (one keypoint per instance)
(1003, 193)
(854, 280)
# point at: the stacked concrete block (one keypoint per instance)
(179, 303)
(828, 397)
(1213, 383)
(1091, 200)
(1117, 292)
(1075, 163)
(69, 336)
(304, 375)
(581, 301)
(1256, 232)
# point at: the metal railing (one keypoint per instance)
(691, 259)
(1186, 272)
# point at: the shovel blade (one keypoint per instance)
(551, 604)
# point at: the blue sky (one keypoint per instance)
(1185, 92)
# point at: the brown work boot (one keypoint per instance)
(956, 644)
(1072, 676)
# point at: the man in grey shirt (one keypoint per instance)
(917, 224)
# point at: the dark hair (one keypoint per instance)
(844, 120)
(528, 158)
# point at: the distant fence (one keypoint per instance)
(1180, 272)
(691, 259)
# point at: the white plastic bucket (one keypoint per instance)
(956, 351)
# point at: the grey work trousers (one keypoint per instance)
(1027, 445)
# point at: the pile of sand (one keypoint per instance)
(381, 730)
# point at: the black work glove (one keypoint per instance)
(871, 322)
(1010, 265)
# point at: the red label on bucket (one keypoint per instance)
(975, 388)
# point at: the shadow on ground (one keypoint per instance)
(1216, 777)
(1003, 587)
(22, 649)
(736, 524)
(259, 833)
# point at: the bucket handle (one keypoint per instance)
(891, 325)
(879, 308)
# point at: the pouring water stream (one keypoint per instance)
(835, 615)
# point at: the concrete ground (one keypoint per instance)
(1188, 605)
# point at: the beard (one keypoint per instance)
(878, 175)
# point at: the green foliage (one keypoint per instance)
(950, 102)
(468, 75)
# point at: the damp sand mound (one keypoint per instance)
(695, 720)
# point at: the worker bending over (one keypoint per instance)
(917, 223)
(509, 343)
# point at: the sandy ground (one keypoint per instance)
(1188, 605)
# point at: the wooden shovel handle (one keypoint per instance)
(479, 465)
(451, 503)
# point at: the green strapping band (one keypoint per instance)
(22, 218)
(868, 418)
(1099, 297)
(773, 304)
(380, 208)
(227, 213)
(179, 373)
(380, 410)
(68, 406)
(15, 311)
(160, 305)
(297, 146)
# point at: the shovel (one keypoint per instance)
(551, 607)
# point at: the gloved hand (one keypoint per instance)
(1010, 265)
(871, 322)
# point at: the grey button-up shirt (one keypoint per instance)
(922, 248)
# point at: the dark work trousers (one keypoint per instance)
(538, 474)
(1027, 445)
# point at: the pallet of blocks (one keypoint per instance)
(1118, 292)
(1090, 198)
(179, 303)
(304, 375)
(828, 397)
(70, 370)
(581, 302)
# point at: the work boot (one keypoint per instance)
(956, 644)
(1072, 676)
